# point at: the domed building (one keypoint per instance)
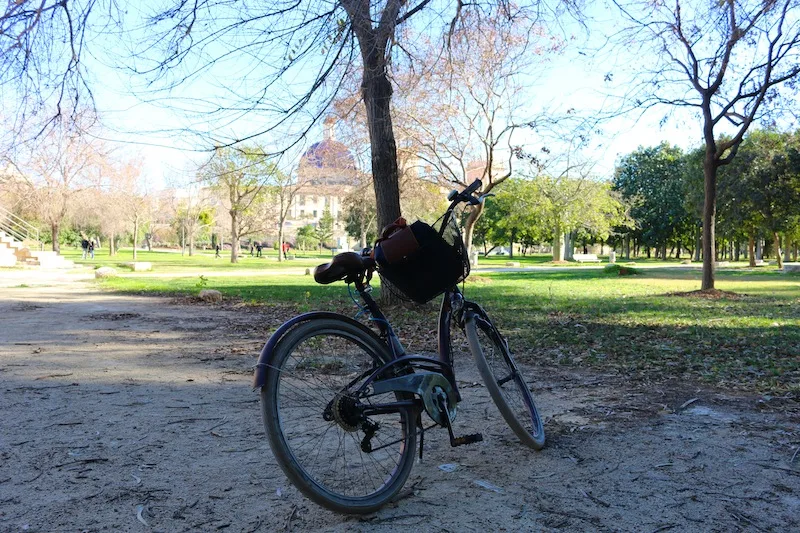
(328, 173)
(327, 162)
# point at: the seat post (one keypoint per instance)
(380, 319)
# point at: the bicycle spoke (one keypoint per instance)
(313, 382)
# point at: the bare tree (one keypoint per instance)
(110, 209)
(283, 188)
(257, 52)
(726, 60)
(240, 177)
(43, 44)
(465, 105)
(360, 213)
(134, 203)
(192, 205)
(57, 168)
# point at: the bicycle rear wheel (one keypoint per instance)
(312, 417)
(504, 381)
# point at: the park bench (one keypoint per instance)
(586, 258)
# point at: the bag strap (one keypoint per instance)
(388, 231)
(397, 225)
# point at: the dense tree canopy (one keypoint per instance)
(653, 182)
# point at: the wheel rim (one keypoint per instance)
(320, 426)
(509, 381)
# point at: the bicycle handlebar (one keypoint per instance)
(467, 196)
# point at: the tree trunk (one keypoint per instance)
(628, 247)
(709, 212)
(280, 242)
(377, 93)
(111, 244)
(759, 250)
(557, 244)
(698, 243)
(777, 241)
(569, 246)
(787, 250)
(751, 250)
(56, 230)
(737, 250)
(234, 236)
(511, 243)
(135, 236)
(191, 243)
(469, 227)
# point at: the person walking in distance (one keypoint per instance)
(216, 251)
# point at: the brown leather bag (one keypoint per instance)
(396, 242)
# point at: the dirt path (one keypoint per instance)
(127, 413)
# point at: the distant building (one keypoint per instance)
(328, 171)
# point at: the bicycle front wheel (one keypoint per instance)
(504, 381)
(329, 449)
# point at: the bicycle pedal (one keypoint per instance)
(466, 439)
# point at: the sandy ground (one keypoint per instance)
(122, 413)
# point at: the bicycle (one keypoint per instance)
(342, 405)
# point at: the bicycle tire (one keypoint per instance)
(334, 350)
(505, 383)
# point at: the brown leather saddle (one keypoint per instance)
(345, 266)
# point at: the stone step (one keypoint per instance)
(8, 257)
(8, 242)
(49, 262)
(42, 259)
(42, 253)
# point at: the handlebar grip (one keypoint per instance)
(474, 186)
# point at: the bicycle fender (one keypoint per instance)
(265, 359)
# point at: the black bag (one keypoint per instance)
(422, 272)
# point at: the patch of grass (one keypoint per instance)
(620, 270)
(634, 325)
(202, 261)
(283, 288)
(499, 261)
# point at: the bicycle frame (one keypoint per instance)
(453, 306)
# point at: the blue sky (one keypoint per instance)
(574, 79)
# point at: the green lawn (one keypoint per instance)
(201, 261)
(582, 317)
